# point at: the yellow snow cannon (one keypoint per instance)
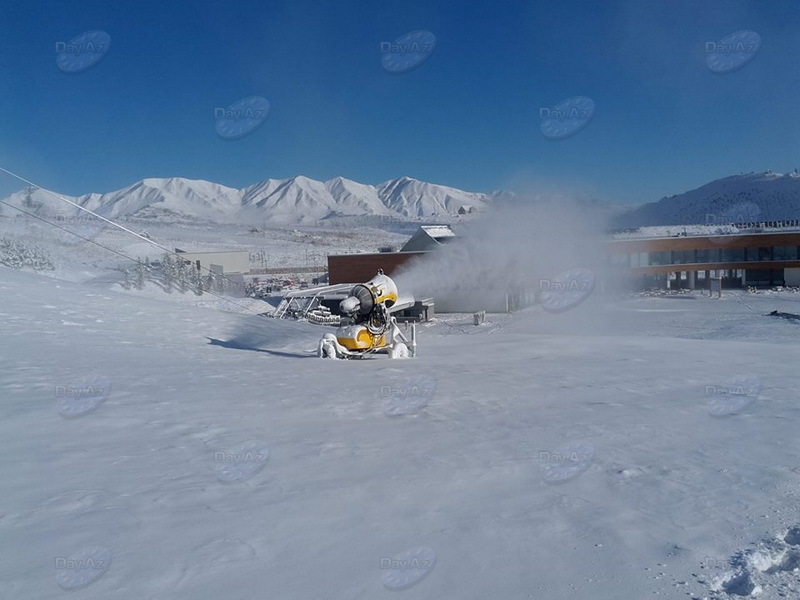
(367, 326)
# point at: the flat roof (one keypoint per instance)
(709, 234)
(760, 237)
(380, 253)
(438, 231)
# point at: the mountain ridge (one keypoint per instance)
(747, 197)
(291, 201)
(300, 200)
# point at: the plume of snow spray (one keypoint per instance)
(524, 243)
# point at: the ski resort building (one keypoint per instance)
(755, 258)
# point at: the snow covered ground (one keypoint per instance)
(79, 260)
(633, 449)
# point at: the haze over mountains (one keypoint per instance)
(762, 196)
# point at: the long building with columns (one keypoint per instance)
(759, 259)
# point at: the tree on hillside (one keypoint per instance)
(139, 276)
(21, 255)
(167, 272)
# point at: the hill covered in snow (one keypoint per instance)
(749, 197)
(294, 201)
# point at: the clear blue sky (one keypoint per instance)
(466, 117)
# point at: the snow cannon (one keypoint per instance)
(367, 326)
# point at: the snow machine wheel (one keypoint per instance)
(399, 350)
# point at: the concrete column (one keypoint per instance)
(690, 279)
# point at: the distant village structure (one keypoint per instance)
(233, 262)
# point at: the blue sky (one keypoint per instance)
(469, 116)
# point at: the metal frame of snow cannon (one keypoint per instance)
(369, 327)
(399, 346)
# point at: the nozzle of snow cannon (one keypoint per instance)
(349, 305)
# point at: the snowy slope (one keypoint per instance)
(166, 197)
(413, 198)
(37, 201)
(294, 201)
(764, 196)
(301, 200)
(355, 198)
(668, 496)
(153, 197)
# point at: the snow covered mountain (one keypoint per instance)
(146, 198)
(764, 196)
(413, 198)
(298, 200)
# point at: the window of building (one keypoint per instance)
(785, 253)
(619, 259)
(682, 257)
(733, 255)
(707, 255)
(659, 258)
